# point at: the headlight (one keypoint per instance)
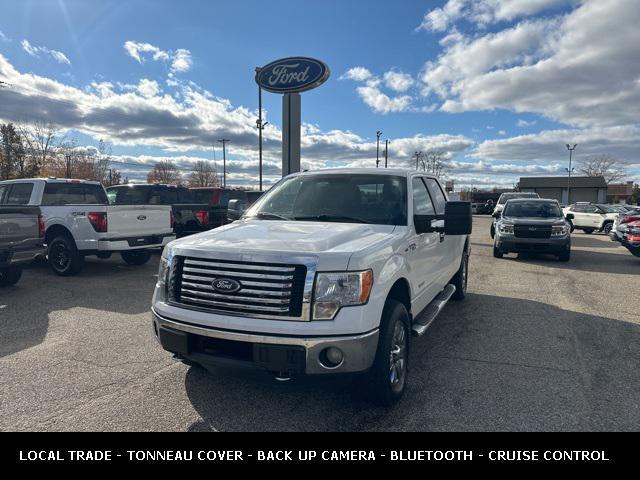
(165, 267)
(340, 289)
(559, 230)
(505, 228)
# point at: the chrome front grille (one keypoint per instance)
(266, 289)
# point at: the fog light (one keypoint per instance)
(331, 357)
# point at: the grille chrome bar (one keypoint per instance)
(234, 298)
(223, 273)
(257, 308)
(245, 291)
(244, 282)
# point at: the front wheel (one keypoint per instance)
(565, 257)
(607, 228)
(497, 253)
(64, 258)
(9, 276)
(493, 230)
(136, 257)
(388, 377)
(571, 227)
(461, 278)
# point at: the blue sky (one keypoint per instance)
(498, 86)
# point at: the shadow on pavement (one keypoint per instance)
(106, 285)
(488, 363)
(586, 261)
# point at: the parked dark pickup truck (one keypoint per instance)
(221, 211)
(21, 238)
(188, 217)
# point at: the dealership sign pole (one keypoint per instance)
(289, 77)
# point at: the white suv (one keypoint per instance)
(590, 217)
(328, 272)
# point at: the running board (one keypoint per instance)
(429, 314)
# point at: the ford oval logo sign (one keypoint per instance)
(142, 217)
(226, 285)
(293, 74)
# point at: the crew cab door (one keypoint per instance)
(452, 251)
(424, 251)
(593, 216)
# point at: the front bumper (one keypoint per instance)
(510, 243)
(282, 355)
(133, 243)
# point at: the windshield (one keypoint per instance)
(360, 198)
(532, 209)
(510, 196)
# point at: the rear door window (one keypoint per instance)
(19, 194)
(422, 204)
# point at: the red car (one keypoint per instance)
(631, 238)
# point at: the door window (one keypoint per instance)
(437, 194)
(422, 204)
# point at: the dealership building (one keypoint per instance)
(583, 189)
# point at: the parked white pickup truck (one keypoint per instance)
(328, 272)
(80, 222)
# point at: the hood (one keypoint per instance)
(534, 220)
(330, 243)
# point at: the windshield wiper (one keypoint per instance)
(332, 218)
(270, 216)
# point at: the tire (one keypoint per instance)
(497, 253)
(588, 231)
(572, 228)
(492, 231)
(461, 278)
(565, 257)
(63, 256)
(9, 276)
(103, 255)
(387, 379)
(136, 257)
(606, 228)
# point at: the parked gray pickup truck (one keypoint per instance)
(21, 240)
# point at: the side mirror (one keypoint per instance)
(496, 214)
(457, 218)
(569, 216)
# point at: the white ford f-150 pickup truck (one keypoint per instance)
(330, 271)
(79, 221)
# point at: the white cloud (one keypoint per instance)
(3, 37)
(580, 69)
(180, 60)
(502, 132)
(36, 51)
(524, 123)
(148, 88)
(382, 103)
(484, 12)
(359, 74)
(398, 81)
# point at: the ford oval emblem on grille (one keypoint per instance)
(226, 285)
(533, 229)
(142, 217)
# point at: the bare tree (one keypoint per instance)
(42, 141)
(203, 175)
(165, 171)
(605, 166)
(433, 162)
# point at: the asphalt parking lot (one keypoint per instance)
(537, 345)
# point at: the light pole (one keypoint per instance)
(386, 153)
(569, 170)
(378, 133)
(260, 126)
(224, 161)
